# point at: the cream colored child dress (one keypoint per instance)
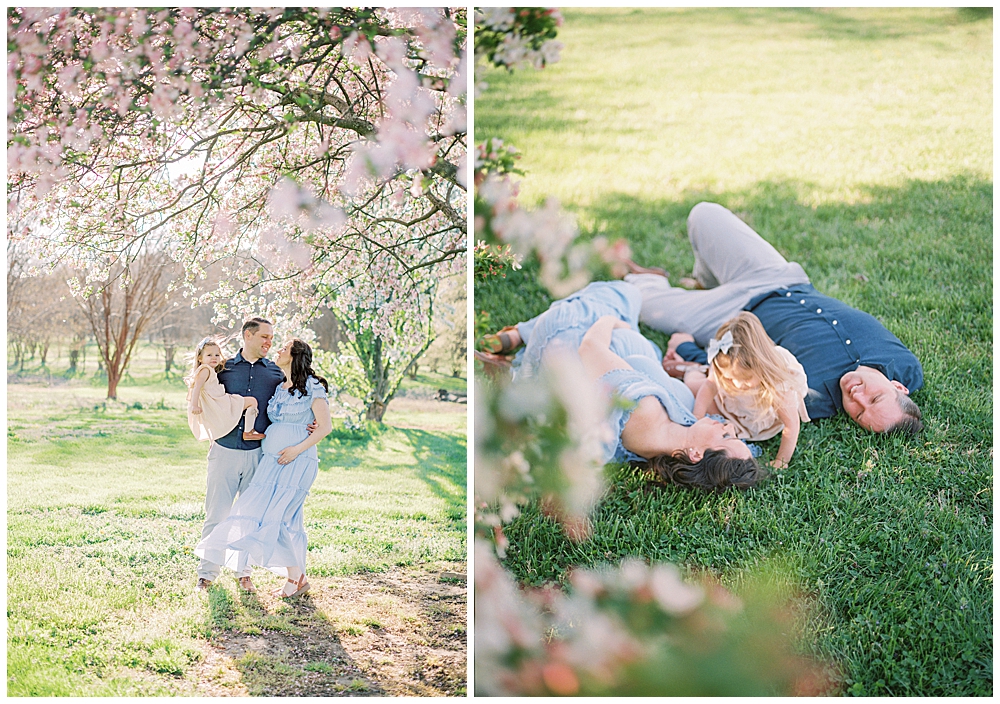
(752, 423)
(220, 412)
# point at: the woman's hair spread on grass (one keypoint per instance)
(753, 353)
(716, 471)
(198, 355)
(302, 358)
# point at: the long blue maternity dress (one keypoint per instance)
(265, 527)
(567, 321)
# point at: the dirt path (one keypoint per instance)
(398, 633)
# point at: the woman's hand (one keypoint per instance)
(195, 408)
(288, 455)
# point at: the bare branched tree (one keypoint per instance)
(121, 307)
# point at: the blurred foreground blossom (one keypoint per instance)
(635, 630)
(541, 437)
(515, 36)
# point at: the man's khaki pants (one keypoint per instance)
(229, 474)
(732, 262)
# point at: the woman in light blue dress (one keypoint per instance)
(265, 526)
(657, 428)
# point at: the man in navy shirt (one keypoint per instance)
(852, 362)
(231, 459)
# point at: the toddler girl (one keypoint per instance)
(212, 413)
(759, 386)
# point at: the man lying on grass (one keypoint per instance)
(851, 361)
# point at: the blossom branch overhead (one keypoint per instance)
(327, 143)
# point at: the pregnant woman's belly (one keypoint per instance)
(282, 435)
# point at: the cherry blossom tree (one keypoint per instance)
(314, 151)
(372, 361)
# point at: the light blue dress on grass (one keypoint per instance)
(265, 527)
(567, 321)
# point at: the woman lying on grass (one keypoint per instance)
(659, 430)
(757, 385)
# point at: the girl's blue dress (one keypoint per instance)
(567, 321)
(265, 526)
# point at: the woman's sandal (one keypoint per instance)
(500, 342)
(302, 586)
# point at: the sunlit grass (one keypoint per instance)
(105, 505)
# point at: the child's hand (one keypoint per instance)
(777, 463)
(195, 408)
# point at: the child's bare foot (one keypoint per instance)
(253, 435)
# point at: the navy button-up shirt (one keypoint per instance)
(259, 380)
(829, 338)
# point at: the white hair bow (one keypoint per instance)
(723, 345)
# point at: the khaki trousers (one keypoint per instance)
(732, 262)
(229, 474)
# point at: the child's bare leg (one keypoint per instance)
(251, 418)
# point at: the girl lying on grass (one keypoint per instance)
(757, 385)
(212, 413)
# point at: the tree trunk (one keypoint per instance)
(74, 357)
(376, 409)
(168, 358)
(43, 349)
(412, 368)
(113, 379)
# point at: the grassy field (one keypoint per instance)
(105, 505)
(859, 143)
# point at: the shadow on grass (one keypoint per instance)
(876, 529)
(441, 465)
(293, 651)
(347, 448)
(894, 252)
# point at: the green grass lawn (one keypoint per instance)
(859, 143)
(105, 506)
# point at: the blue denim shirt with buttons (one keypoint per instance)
(829, 338)
(259, 380)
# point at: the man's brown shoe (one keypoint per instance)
(247, 586)
(203, 584)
